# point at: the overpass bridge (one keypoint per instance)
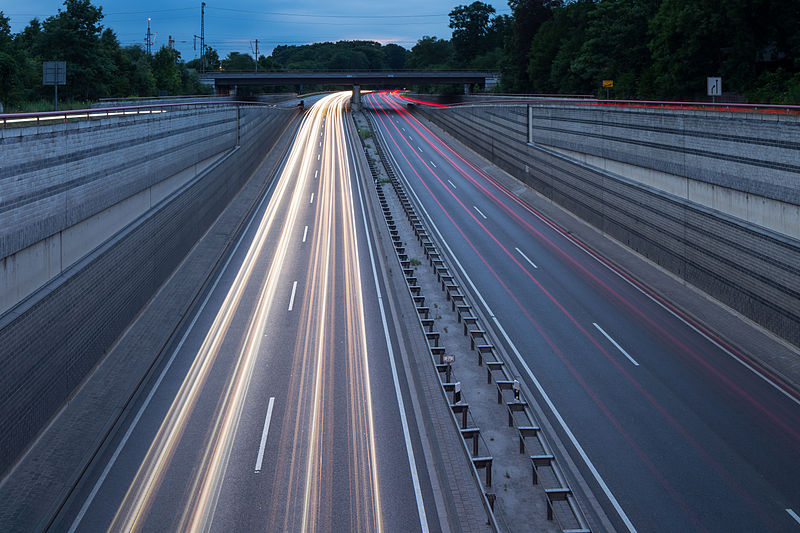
(225, 82)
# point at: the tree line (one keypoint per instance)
(97, 66)
(650, 48)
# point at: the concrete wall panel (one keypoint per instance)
(51, 341)
(699, 215)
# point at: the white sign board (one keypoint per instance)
(714, 86)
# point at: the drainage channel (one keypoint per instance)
(515, 464)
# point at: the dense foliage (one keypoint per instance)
(650, 48)
(660, 48)
(97, 66)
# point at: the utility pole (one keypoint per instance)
(203, 34)
(148, 41)
(255, 52)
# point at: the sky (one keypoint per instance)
(234, 25)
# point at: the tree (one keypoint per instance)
(238, 62)
(527, 17)
(615, 46)
(394, 56)
(212, 61)
(166, 72)
(20, 71)
(430, 53)
(499, 31)
(685, 46)
(190, 82)
(73, 36)
(144, 83)
(267, 64)
(747, 42)
(5, 31)
(349, 60)
(8, 67)
(471, 28)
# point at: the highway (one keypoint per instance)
(673, 431)
(280, 409)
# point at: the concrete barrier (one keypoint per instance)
(51, 340)
(66, 188)
(749, 262)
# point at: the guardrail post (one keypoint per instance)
(237, 124)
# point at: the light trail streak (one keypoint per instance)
(150, 475)
(331, 341)
(336, 206)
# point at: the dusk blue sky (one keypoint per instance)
(232, 25)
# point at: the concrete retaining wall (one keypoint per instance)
(748, 267)
(752, 153)
(51, 340)
(66, 188)
(52, 177)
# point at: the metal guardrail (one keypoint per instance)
(559, 496)
(165, 98)
(24, 119)
(776, 109)
(779, 109)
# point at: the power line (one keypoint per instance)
(255, 52)
(309, 15)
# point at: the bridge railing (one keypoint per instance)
(73, 115)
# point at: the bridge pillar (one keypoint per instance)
(355, 101)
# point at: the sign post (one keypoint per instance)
(607, 85)
(54, 73)
(714, 88)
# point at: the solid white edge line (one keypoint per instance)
(598, 478)
(793, 515)
(264, 432)
(453, 184)
(412, 463)
(479, 211)
(291, 298)
(146, 403)
(612, 341)
(526, 257)
(305, 234)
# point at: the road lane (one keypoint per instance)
(690, 439)
(286, 369)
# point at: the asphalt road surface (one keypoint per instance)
(280, 409)
(671, 429)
